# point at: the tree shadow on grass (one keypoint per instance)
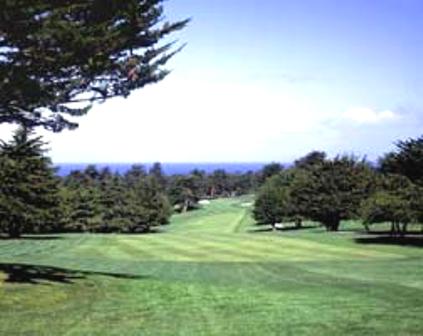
(37, 275)
(413, 241)
(143, 233)
(414, 233)
(34, 237)
(290, 228)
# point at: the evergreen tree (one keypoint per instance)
(397, 201)
(29, 190)
(274, 202)
(219, 184)
(332, 190)
(246, 183)
(271, 202)
(85, 209)
(184, 192)
(311, 159)
(133, 175)
(115, 203)
(55, 53)
(149, 207)
(200, 182)
(269, 170)
(156, 172)
(406, 160)
(82, 197)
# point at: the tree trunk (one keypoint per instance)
(392, 228)
(404, 229)
(398, 229)
(274, 226)
(298, 223)
(185, 207)
(14, 232)
(366, 227)
(395, 229)
(333, 225)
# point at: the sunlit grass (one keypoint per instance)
(210, 273)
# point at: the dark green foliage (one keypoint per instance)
(397, 201)
(185, 191)
(133, 175)
(99, 201)
(115, 203)
(157, 173)
(29, 192)
(407, 160)
(219, 184)
(246, 183)
(311, 159)
(322, 190)
(149, 206)
(332, 190)
(82, 198)
(52, 52)
(384, 207)
(85, 213)
(272, 204)
(201, 183)
(269, 170)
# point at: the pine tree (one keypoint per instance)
(149, 207)
(55, 53)
(82, 197)
(156, 171)
(184, 192)
(29, 190)
(115, 200)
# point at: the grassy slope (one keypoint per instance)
(208, 274)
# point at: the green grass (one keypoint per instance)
(209, 273)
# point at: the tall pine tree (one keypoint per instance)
(29, 190)
(55, 53)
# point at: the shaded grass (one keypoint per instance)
(388, 240)
(207, 274)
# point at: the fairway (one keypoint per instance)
(210, 272)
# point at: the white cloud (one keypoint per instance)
(192, 120)
(366, 115)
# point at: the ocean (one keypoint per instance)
(168, 168)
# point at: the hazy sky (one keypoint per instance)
(269, 80)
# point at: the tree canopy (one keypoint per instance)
(332, 190)
(406, 160)
(29, 191)
(320, 189)
(58, 57)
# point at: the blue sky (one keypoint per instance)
(269, 80)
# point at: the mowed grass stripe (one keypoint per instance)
(278, 241)
(232, 247)
(279, 247)
(212, 248)
(215, 279)
(184, 249)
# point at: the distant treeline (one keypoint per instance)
(34, 199)
(328, 190)
(102, 201)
